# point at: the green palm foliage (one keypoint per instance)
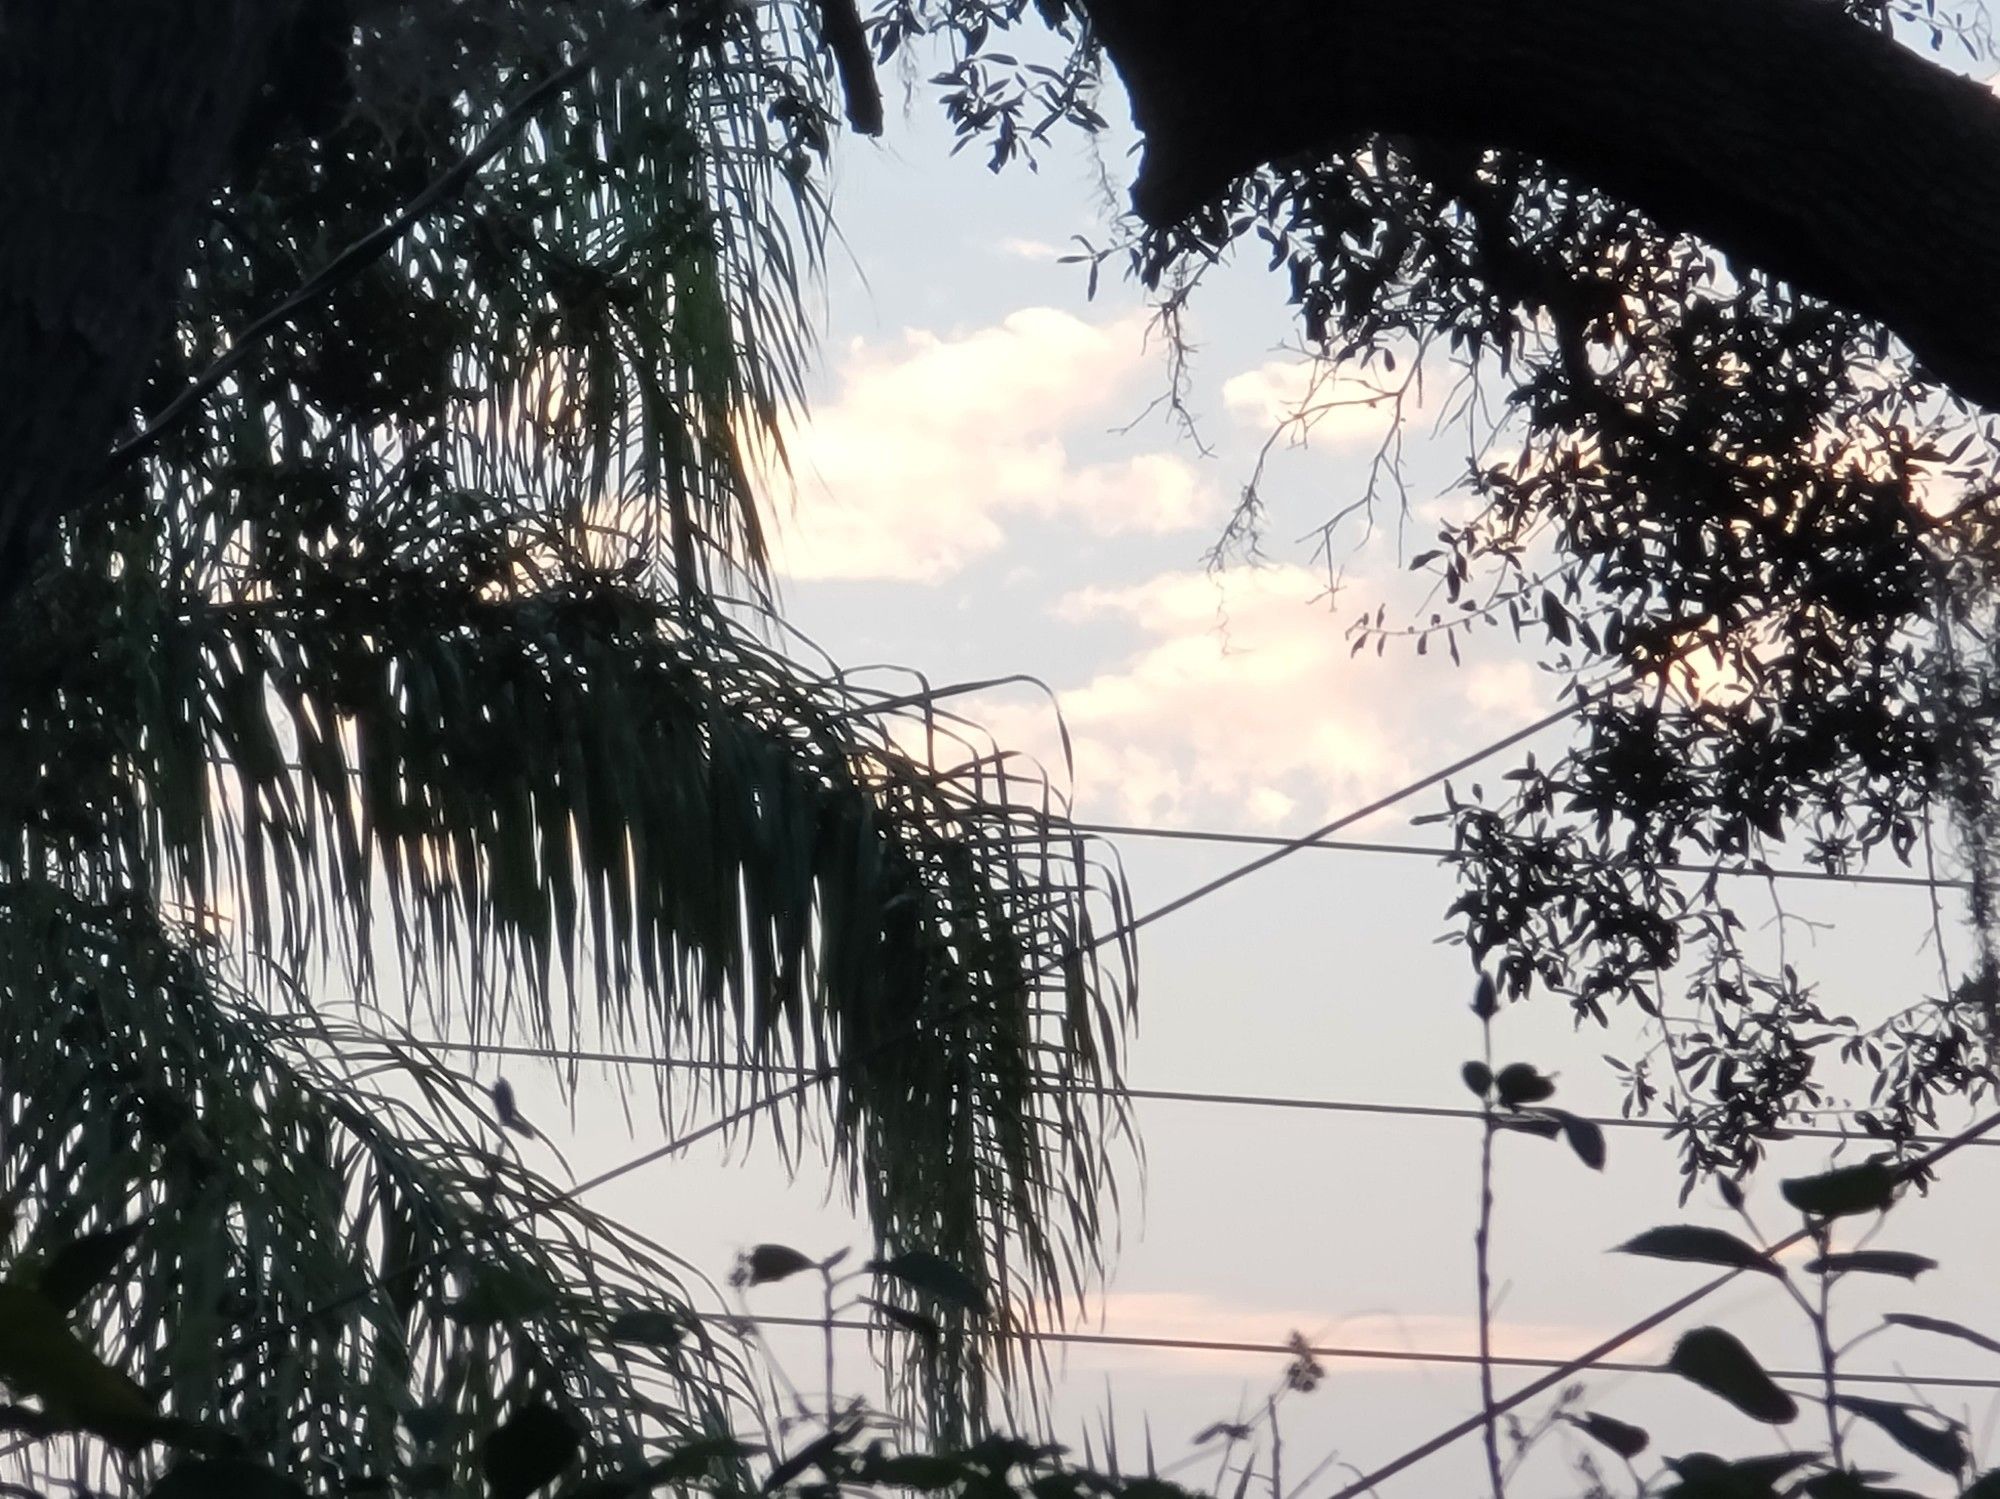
(405, 661)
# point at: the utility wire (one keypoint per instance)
(1595, 1357)
(826, 1072)
(1385, 1355)
(1448, 855)
(1285, 847)
(1140, 1095)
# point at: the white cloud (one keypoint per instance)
(929, 447)
(1244, 702)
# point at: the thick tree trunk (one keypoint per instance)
(117, 119)
(1778, 130)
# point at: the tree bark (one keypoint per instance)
(1777, 130)
(117, 123)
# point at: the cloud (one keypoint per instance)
(1027, 249)
(933, 445)
(1245, 702)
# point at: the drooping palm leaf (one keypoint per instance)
(327, 1222)
(402, 649)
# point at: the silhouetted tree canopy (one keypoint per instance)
(395, 617)
(1723, 272)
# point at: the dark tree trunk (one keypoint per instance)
(1778, 130)
(117, 120)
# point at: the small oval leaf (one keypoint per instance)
(1478, 1077)
(1866, 1188)
(1621, 1437)
(1518, 1083)
(528, 1449)
(650, 1325)
(935, 1275)
(769, 1262)
(1585, 1138)
(1486, 997)
(1720, 1364)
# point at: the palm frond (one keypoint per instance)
(331, 1228)
(572, 812)
(407, 651)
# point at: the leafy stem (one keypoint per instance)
(1482, 1258)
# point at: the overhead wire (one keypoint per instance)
(1283, 849)
(1365, 1354)
(1596, 1356)
(1146, 1095)
(374, 244)
(827, 1071)
(1751, 871)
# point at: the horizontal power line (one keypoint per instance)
(1382, 1355)
(1145, 1095)
(1449, 855)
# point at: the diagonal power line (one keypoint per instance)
(1594, 1357)
(1749, 871)
(828, 1071)
(1341, 1351)
(1286, 847)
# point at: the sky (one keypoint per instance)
(989, 485)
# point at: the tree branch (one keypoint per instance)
(117, 124)
(1777, 130)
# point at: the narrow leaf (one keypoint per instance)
(1873, 1262)
(1940, 1446)
(1940, 1325)
(1705, 1246)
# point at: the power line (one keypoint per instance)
(826, 1073)
(1384, 1355)
(1141, 1095)
(1596, 1357)
(1449, 855)
(1285, 847)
